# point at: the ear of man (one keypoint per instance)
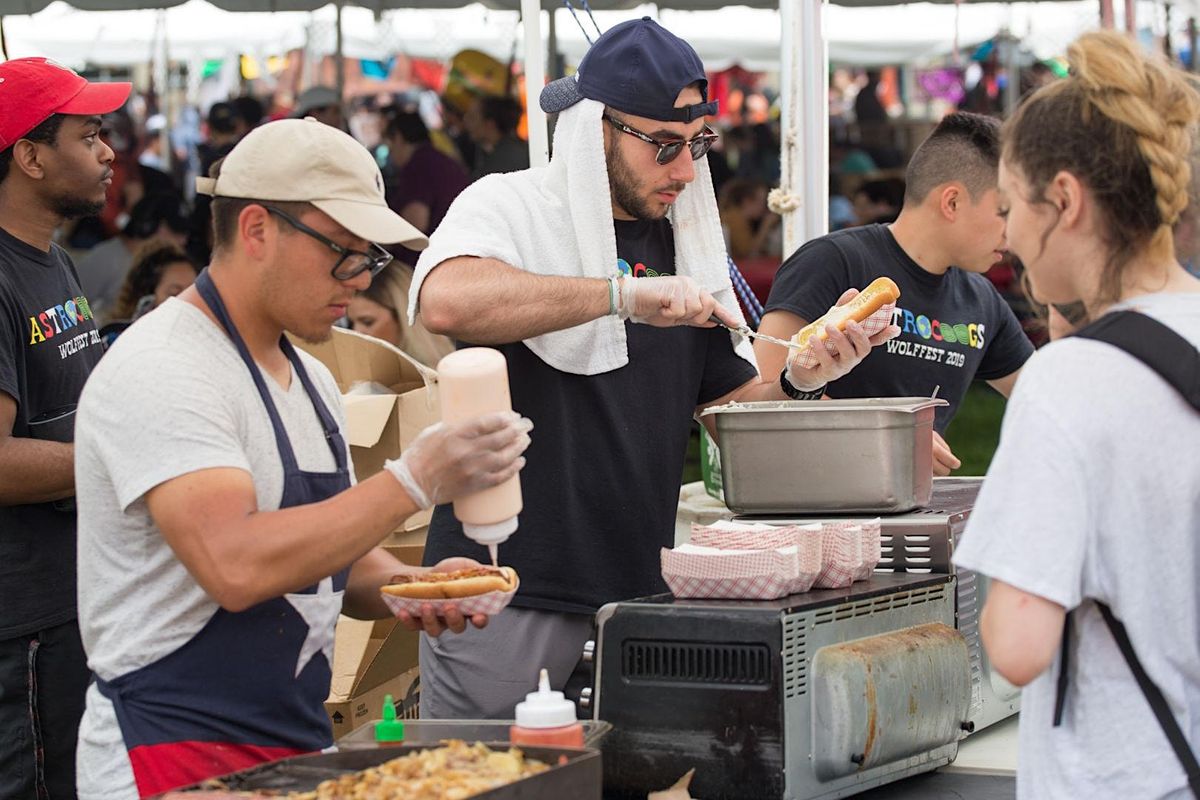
(951, 196)
(27, 160)
(256, 232)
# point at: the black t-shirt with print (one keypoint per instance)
(50, 346)
(953, 327)
(601, 483)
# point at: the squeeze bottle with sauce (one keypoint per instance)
(546, 718)
(471, 382)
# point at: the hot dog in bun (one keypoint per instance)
(453, 585)
(878, 294)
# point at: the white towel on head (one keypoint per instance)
(557, 220)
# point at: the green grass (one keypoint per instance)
(975, 430)
(972, 435)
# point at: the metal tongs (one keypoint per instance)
(745, 330)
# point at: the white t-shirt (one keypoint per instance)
(170, 398)
(1095, 493)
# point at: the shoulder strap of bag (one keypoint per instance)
(1177, 361)
(1158, 703)
(1157, 346)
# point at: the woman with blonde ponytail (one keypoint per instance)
(1089, 520)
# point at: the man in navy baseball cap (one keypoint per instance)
(638, 67)
(597, 277)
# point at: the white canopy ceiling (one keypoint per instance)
(911, 33)
(33, 6)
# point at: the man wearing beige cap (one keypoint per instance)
(223, 534)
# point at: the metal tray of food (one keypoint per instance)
(871, 455)
(574, 772)
(432, 731)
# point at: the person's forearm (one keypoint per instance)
(267, 554)
(756, 390)
(363, 599)
(484, 301)
(749, 392)
(34, 471)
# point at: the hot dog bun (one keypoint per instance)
(452, 585)
(878, 294)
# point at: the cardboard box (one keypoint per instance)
(379, 426)
(408, 546)
(371, 659)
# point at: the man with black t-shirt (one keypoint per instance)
(601, 304)
(53, 167)
(954, 325)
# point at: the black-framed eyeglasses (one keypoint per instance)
(350, 263)
(669, 150)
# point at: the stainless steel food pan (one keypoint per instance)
(798, 457)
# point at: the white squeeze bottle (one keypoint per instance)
(471, 382)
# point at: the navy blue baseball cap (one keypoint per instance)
(638, 67)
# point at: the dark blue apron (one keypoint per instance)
(250, 686)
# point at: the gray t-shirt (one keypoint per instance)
(171, 397)
(1095, 493)
(102, 273)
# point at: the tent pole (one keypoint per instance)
(164, 93)
(552, 46)
(1192, 37)
(339, 64)
(804, 132)
(535, 78)
(1107, 15)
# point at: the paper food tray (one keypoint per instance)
(486, 603)
(871, 326)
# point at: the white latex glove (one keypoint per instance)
(851, 347)
(449, 461)
(668, 301)
(944, 460)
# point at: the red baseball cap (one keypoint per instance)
(34, 89)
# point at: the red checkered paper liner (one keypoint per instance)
(805, 538)
(871, 326)
(486, 603)
(733, 575)
(872, 551)
(841, 556)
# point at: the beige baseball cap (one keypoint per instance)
(305, 161)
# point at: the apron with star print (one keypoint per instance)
(250, 686)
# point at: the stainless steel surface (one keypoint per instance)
(874, 703)
(923, 541)
(574, 773)
(589, 651)
(871, 455)
(585, 697)
(670, 715)
(806, 634)
(433, 731)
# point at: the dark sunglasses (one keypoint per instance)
(669, 150)
(351, 263)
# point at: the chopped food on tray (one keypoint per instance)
(453, 772)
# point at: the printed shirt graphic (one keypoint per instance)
(50, 345)
(954, 328)
(601, 482)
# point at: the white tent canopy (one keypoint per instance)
(749, 37)
(801, 34)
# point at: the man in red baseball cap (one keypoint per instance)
(53, 167)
